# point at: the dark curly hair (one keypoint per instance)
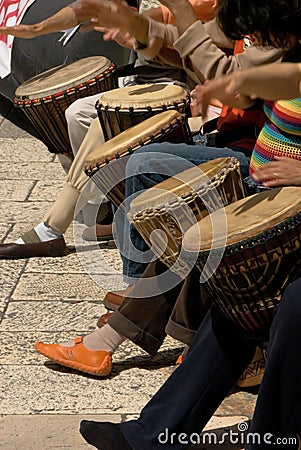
(273, 21)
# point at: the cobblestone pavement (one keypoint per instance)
(56, 299)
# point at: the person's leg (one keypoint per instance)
(143, 315)
(46, 238)
(147, 167)
(190, 309)
(278, 407)
(61, 213)
(187, 400)
(79, 116)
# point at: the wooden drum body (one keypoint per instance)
(260, 258)
(177, 203)
(45, 97)
(125, 107)
(106, 165)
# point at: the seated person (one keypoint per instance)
(220, 352)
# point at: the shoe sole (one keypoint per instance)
(36, 256)
(76, 366)
(110, 306)
(98, 238)
(250, 382)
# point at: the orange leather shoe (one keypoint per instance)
(78, 357)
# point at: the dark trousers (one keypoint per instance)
(218, 355)
(145, 318)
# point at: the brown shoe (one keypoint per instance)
(78, 357)
(53, 248)
(103, 320)
(98, 233)
(113, 299)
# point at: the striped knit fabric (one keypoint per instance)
(281, 134)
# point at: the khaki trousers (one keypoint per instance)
(60, 215)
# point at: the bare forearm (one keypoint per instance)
(271, 82)
(137, 26)
(182, 12)
(62, 20)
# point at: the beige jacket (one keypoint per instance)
(197, 50)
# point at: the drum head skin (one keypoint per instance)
(130, 138)
(143, 96)
(63, 77)
(189, 180)
(246, 219)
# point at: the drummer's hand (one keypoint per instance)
(203, 95)
(19, 31)
(281, 172)
(114, 34)
(104, 13)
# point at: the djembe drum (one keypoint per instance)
(174, 205)
(106, 165)
(120, 109)
(45, 97)
(261, 256)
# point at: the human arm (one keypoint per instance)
(62, 20)
(269, 82)
(126, 39)
(182, 12)
(242, 88)
(113, 14)
(196, 50)
(280, 172)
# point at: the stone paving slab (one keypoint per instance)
(10, 272)
(15, 190)
(23, 212)
(46, 190)
(48, 286)
(51, 315)
(24, 150)
(53, 389)
(47, 432)
(69, 264)
(4, 230)
(31, 171)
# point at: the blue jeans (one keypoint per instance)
(147, 167)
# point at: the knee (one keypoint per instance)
(72, 112)
(81, 110)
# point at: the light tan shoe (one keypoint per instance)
(253, 374)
